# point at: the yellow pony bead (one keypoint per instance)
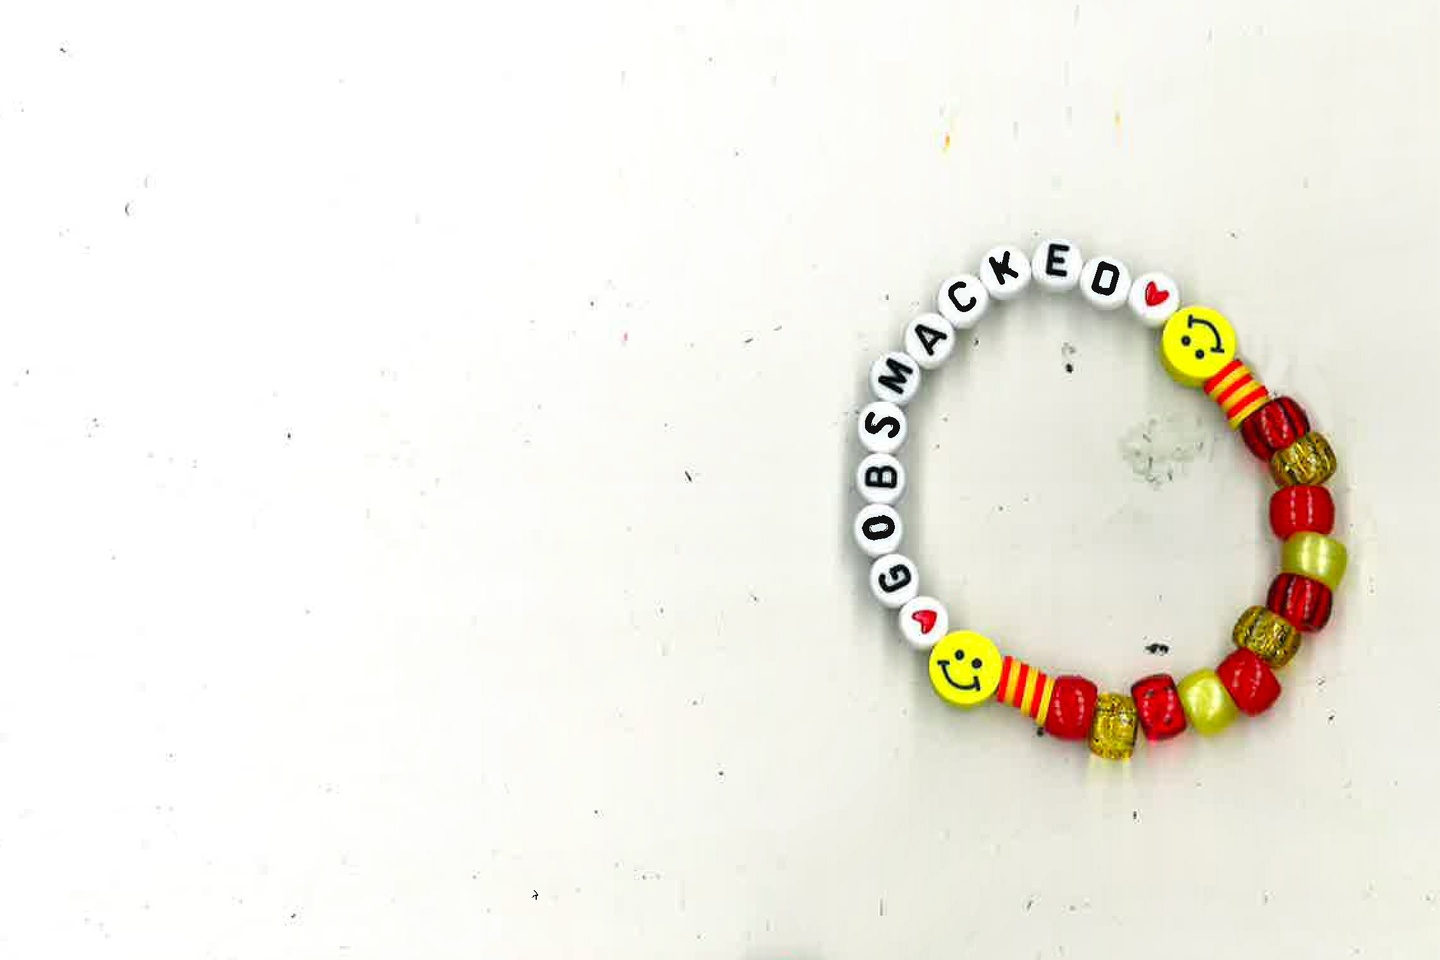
(1316, 556)
(1112, 733)
(1308, 461)
(965, 668)
(1268, 635)
(1196, 344)
(1208, 705)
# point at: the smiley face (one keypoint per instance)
(1195, 344)
(965, 668)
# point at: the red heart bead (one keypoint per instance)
(1157, 703)
(1252, 684)
(926, 619)
(1302, 601)
(1274, 427)
(1301, 507)
(1154, 296)
(1072, 708)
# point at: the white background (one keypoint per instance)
(427, 432)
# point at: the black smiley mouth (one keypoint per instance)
(974, 683)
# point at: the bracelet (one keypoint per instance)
(1198, 348)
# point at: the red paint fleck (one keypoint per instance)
(625, 338)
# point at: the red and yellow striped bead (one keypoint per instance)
(1026, 689)
(1238, 392)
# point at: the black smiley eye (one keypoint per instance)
(1185, 340)
(959, 655)
(977, 663)
(1199, 354)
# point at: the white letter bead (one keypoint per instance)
(923, 621)
(894, 580)
(880, 478)
(882, 427)
(929, 339)
(879, 529)
(1153, 297)
(895, 377)
(1005, 271)
(1057, 265)
(962, 300)
(1105, 282)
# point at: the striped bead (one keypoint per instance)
(1308, 461)
(1026, 689)
(1316, 556)
(1274, 426)
(1304, 602)
(1238, 392)
(1268, 635)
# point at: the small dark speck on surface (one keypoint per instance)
(754, 599)
(977, 341)
(1159, 649)
(534, 894)
(887, 298)
(1069, 368)
(1039, 731)
(777, 328)
(1264, 898)
(1330, 719)
(882, 906)
(720, 773)
(1233, 235)
(127, 208)
(688, 478)
(1320, 682)
(64, 51)
(1135, 815)
(749, 339)
(1029, 902)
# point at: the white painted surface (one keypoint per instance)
(390, 425)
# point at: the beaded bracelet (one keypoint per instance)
(1198, 348)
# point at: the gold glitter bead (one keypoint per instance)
(1112, 734)
(1269, 635)
(1308, 460)
(1316, 556)
(1208, 705)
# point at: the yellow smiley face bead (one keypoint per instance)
(1196, 344)
(965, 668)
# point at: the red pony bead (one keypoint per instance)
(1252, 684)
(1302, 601)
(1072, 708)
(1274, 427)
(1298, 508)
(1158, 704)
